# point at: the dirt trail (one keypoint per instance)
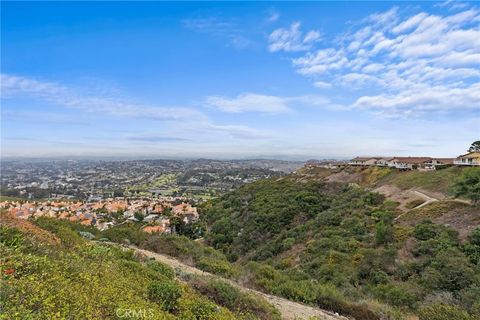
(289, 310)
(427, 198)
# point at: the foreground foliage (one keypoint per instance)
(80, 280)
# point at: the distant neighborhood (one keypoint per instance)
(156, 215)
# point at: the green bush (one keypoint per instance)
(216, 266)
(396, 295)
(425, 230)
(10, 237)
(357, 311)
(131, 232)
(88, 281)
(247, 305)
(165, 293)
(79, 282)
(468, 185)
(302, 291)
(443, 312)
(53, 225)
(161, 268)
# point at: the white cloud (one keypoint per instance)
(373, 68)
(322, 84)
(452, 4)
(409, 23)
(227, 29)
(209, 24)
(17, 86)
(273, 15)
(395, 55)
(249, 102)
(417, 102)
(252, 102)
(184, 124)
(383, 19)
(292, 39)
(240, 131)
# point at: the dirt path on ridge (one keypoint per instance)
(288, 309)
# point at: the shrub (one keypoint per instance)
(165, 293)
(474, 237)
(344, 308)
(468, 185)
(472, 247)
(11, 237)
(443, 312)
(396, 295)
(232, 298)
(215, 266)
(133, 233)
(383, 233)
(455, 269)
(425, 231)
(69, 237)
(303, 291)
(161, 268)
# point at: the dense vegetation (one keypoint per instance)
(328, 244)
(468, 185)
(68, 277)
(333, 245)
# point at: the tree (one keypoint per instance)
(139, 216)
(468, 185)
(475, 147)
(383, 233)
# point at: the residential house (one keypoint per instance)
(151, 218)
(469, 159)
(155, 229)
(436, 163)
(383, 162)
(408, 163)
(363, 161)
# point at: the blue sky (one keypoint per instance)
(237, 80)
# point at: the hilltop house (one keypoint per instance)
(408, 163)
(383, 162)
(363, 161)
(469, 159)
(436, 163)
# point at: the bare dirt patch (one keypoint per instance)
(345, 177)
(462, 217)
(403, 197)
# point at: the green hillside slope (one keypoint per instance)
(59, 275)
(319, 241)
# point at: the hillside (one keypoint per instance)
(53, 273)
(322, 231)
(320, 237)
